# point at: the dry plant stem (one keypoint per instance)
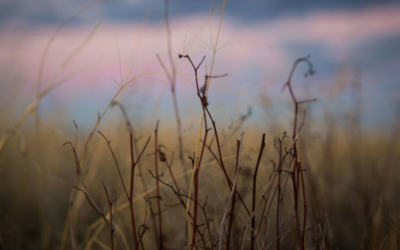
(98, 222)
(31, 108)
(196, 167)
(128, 124)
(297, 171)
(116, 163)
(89, 140)
(228, 239)
(269, 209)
(221, 162)
(111, 217)
(253, 220)
(230, 184)
(136, 148)
(131, 193)
(196, 195)
(278, 209)
(160, 240)
(87, 193)
(296, 200)
(203, 99)
(221, 232)
(46, 51)
(145, 224)
(172, 80)
(304, 202)
(207, 223)
(176, 192)
(196, 184)
(296, 168)
(207, 88)
(179, 195)
(71, 227)
(133, 165)
(268, 191)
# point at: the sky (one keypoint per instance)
(40, 12)
(354, 48)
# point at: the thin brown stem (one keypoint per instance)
(207, 223)
(297, 171)
(135, 240)
(304, 202)
(116, 163)
(232, 213)
(278, 209)
(133, 164)
(172, 80)
(179, 195)
(85, 191)
(222, 231)
(253, 220)
(170, 171)
(230, 184)
(160, 239)
(268, 191)
(111, 217)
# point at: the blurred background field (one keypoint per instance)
(348, 144)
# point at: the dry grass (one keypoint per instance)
(310, 184)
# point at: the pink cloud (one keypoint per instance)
(241, 45)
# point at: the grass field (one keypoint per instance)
(115, 141)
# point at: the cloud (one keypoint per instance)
(257, 56)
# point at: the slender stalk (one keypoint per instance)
(172, 81)
(116, 163)
(111, 217)
(232, 213)
(85, 191)
(196, 196)
(179, 195)
(297, 171)
(304, 200)
(201, 93)
(278, 209)
(135, 240)
(208, 224)
(197, 166)
(202, 118)
(136, 151)
(221, 162)
(253, 220)
(296, 208)
(133, 164)
(71, 227)
(221, 232)
(160, 239)
(268, 192)
(196, 183)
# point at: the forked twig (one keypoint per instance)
(297, 170)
